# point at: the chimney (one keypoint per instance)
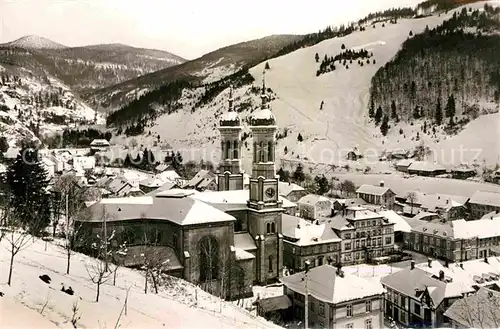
(441, 275)
(429, 262)
(381, 183)
(412, 265)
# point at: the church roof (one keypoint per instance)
(230, 118)
(263, 117)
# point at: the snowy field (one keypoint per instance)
(178, 305)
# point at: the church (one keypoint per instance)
(227, 240)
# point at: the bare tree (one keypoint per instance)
(348, 187)
(45, 303)
(118, 259)
(481, 310)
(153, 260)
(411, 197)
(72, 197)
(76, 315)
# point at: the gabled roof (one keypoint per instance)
(425, 166)
(404, 163)
(481, 310)
(413, 282)
(275, 303)
(437, 229)
(486, 198)
(286, 188)
(99, 142)
(244, 241)
(313, 199)
(324, 284)
(202, 179)
(400, 225)
(373, 190)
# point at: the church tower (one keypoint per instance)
(265, 209)
(230, 175)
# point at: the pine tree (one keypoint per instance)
(384, 127)
(316, 57)
(394, 114)
(298, 174)
(425, 127)
(378, 115)
(27, 180)
(371, 111)
(439, 113)
(450, 107)
(285, 150)
(267, 67)
(4, 145)
(342, 47)
(299, 137)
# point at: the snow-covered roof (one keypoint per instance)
(305, 233)
(400, 225)
(244, 240)
(313, 199)
(176, 208)
(99, 142)
(438, 229)
(425, 166)
(486, 198)
(235, 199)
(481, 228)
(404, 163)
(263, 117)
(286, 188)
(372, 189)
(324, 283)
(241, 254)
(432, 202)
(229, 117)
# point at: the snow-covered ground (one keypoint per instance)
(342, 123)
(178, 305)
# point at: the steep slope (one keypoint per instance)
(177, 305)
(33, 42)
(208, 68)
(330, 130)
(85, 68)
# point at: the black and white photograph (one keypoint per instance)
(252, 165)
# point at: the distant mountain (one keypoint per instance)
(33, 42)
(208, 68)
(85, 68)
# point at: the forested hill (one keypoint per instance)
(444, 75)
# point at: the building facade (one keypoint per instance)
(378, 195)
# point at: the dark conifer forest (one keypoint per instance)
(453, 67)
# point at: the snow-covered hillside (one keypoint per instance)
(28, 101)
(174, 307)
(342, 123)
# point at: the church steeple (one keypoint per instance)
(230, 175)
(263, 95)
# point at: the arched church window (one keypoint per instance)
(209, 259)
(228, 146)
(273, 227)
(235, 150)
(270, 259)
(268, 228)
(270, 154)
(255, 152)
(261, 152)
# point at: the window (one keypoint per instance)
(416, 309)
(235, 150)
(273, 227)
(321, 308)
(368, 306)
(379, 241)
(374, 222)
(349, 326)
(347, 236)
(368, 324)
(321, 324)
(313, 306)
(270, 264)
(362, 243)
(347, 246)
(402, 318)
(403, 302)
(174, 241)
(388, 240)
(349, 310)
(357, 244)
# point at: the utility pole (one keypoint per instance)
(306, 298)
(105, 239)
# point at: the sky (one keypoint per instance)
(188, 28)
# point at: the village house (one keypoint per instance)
(421, 294)
(462, 173)
(483, 202)
(84, 162)
(314, 206)
(202, 181)
(335, 299)
(398, 154)
(291, 191)
(403, 165)
(401, 226)
(365, 234)
(340, 204)
(354, 155)
(378, 195)
(99, 145)
(448, 207)
(455, 241)
(480, 310)
(305, 241)
(424, 168)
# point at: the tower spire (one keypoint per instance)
(263, 96)
(230, 98)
